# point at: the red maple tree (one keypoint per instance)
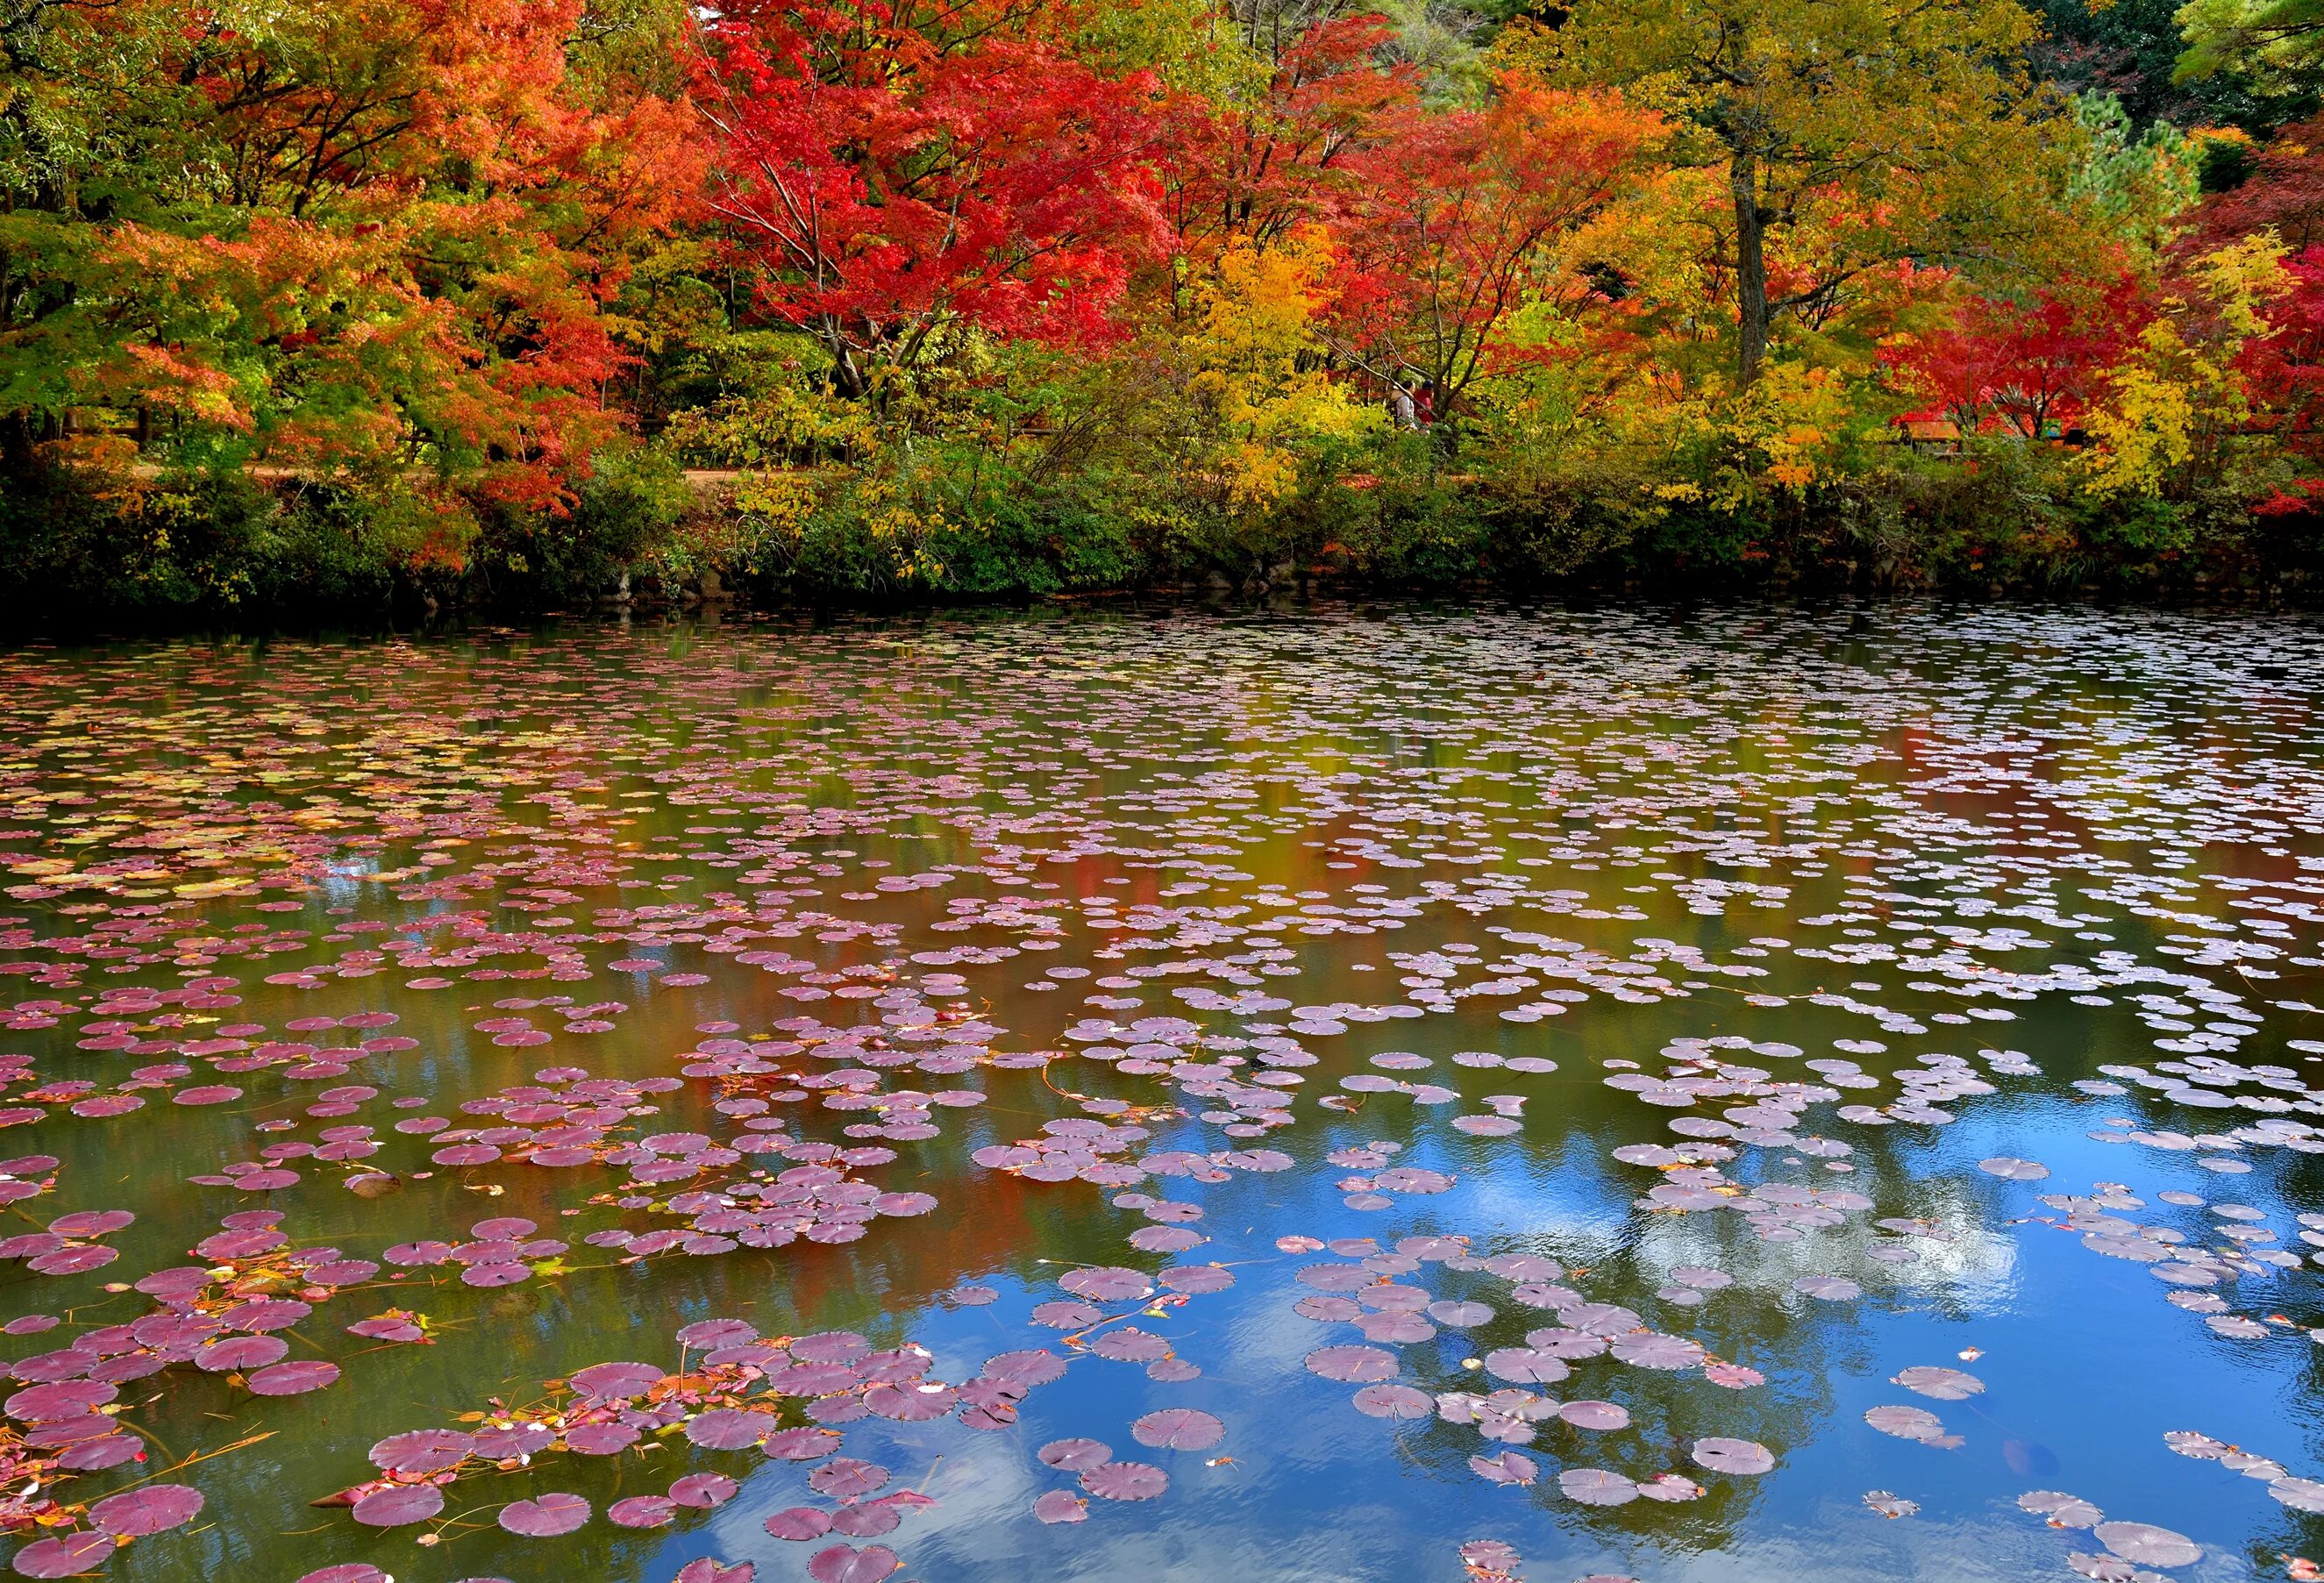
(2022, 368)
(891, 177)
(1448, 223)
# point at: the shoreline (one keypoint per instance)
(1864, 607)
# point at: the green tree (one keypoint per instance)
(2136, 185)
(2279, 44)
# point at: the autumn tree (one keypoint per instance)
(1849, 134)
(2284, 367)
(2282, 192)
(2022, 367)
(1453, 223)
(894, 177)
(383, 233)
(2178, 409)
(1262, 400)
(1274, 152)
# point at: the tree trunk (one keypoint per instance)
(1750, 268)
(845, 377)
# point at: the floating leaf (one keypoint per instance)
(642, 1511)
(545, 1517)
(1393, 1401)
(293, 1379)
(2012, 1170)
(149, 1509)
(1595, 1486)
(399, 1505)
(704, 1570)
(1060, 1505)
(63, 1556)
(1945, 1385)
(1125, 1481)
(1594, 1415)
(844, 1563)
(848, 1478)
(1730, 1456)
(2148, 1545)
(1505, 1468)
(1076, 1455)
(2061, 1510)
(1352, 1364)
(799, 1522)
(1178, 1429)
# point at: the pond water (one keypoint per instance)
(1388, 1094)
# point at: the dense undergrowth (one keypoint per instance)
(196, 548)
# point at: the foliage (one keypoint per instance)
(2130, 51)
(2279, 43)
(2177, 397)
(2029, 369)
(1464, 217)
(1263, 399)
(2139, 184)
(1850, 139)
(397, 304)
(898, 177)
(348, 237)
(2282, 192)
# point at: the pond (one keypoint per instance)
(1355, 1093)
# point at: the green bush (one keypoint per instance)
(942, 528)
(76, 547)
(622, 515)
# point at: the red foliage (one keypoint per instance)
(2011, 368)
(1444, 226)
(2285, 190)
(2283, 371)
(421, 211)
(1256, 172)
(888, 181)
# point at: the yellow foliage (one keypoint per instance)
(2240, 278)
(777, 426)
(2172, 396)
(783, 499)
(1255, 371)
(2145, 429)
(1794, 417)
(1580, 373)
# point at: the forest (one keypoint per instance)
(540, 304)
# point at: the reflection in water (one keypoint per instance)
(1528, 1077)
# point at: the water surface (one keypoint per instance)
(1746, 1096)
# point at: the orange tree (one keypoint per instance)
(376, 234)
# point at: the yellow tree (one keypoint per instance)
(1852, 135)
(2175, 401)
(1255, 375)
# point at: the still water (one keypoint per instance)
(1370, 1094)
